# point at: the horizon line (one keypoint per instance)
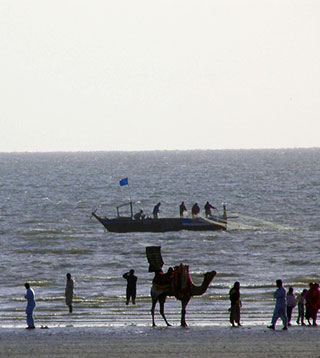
(152, 150)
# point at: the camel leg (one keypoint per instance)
(161, 302)
(184, 304)
(154, 302)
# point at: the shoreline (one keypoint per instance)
(161, 341)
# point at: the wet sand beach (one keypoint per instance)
(134, 341)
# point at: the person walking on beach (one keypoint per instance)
(301, 299)
(31, 303)
(234, 295)
(291, 304)
(156, 211)
(182, 209)
(312, 303)
(131, 286)
(68, 293)
(280, 307)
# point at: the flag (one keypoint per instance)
(124, 181)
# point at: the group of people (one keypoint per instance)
(31, 302)
(155, 213)
(195, 211)
(308, 301)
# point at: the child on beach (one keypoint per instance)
(291, 303)
(301, 299)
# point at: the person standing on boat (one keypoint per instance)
(207, 209)
(156, 211)
(31, 304)
(182, 209)
(131, 286)
(68, 293)
(195, 210)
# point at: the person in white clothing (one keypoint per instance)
(280, 307)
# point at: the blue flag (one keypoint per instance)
(124, 181)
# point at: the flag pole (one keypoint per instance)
(129, 192)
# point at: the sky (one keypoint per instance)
(91, 75)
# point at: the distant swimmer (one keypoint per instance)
(195, 210)
(139, 215)
(207, 209)
(131, 286)
(182, 209)
(68, 293)
(31, 304)
(156, 211)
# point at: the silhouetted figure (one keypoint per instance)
(68, 293)
(234, 295)
(195, 210)
(131, 286)
(31, 304)
(207, 209)
(312, 303)
(139, 215)
(280, 307)
(291, 304)
(301, 299)
(182, 209)
(156, 211)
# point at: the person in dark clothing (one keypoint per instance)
(207, 209)
(182, 209)
(156, 211)
(195, 210)
(30, 305)
(234, 295)
(131, 286)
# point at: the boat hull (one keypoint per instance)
(122, 225)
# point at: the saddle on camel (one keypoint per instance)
(175, 282)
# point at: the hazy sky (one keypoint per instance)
(165, 74)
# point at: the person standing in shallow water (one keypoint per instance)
(69, 292)
(280, 307)
(234, 295)
(131, 286)
(31, 304)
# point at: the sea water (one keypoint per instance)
(46, 230)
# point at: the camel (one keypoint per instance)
(185, 298)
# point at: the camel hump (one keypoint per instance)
(182, 279)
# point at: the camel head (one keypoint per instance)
(200, 290)
(210, 275)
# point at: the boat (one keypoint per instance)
(122, 224)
